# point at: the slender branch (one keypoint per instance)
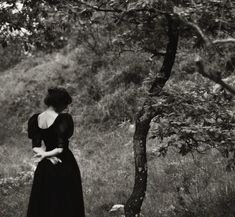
(117, 10)
(224, 41)
(217, 79)
(155, 52)
(128, 50)
(96, 8)
(200, 32)
(206, 39)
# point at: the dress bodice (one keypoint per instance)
(55, 136)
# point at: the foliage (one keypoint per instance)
(195, 119)
(116, 25)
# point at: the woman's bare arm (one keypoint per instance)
(41, 154)
(38, 150)
(53, 152)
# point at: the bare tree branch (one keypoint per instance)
(224, 41)
(217, 79)
(155, 52)
(128, 50)
(199, 32)
(199, 63)
(204, 37)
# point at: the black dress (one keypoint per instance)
(56, 189)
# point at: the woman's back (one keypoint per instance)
(53, 131)
(46, 119)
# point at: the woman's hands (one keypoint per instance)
(51, 155)
(42, 154)
(55, 160)
(38, 150)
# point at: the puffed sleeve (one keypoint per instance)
(34, 132)
(64, 130)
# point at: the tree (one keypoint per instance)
(37, 24)
(142, 19)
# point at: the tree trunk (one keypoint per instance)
(143, 119)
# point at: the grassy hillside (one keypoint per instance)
(106, 92)
(102, 148)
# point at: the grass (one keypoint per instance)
(177, 186)
(103, 162)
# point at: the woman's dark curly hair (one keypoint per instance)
(58, 98)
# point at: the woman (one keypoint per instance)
(57, 188)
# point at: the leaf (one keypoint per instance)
(4, 44)
(26, 47)
(131, 6)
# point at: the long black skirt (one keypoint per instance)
(57, 189)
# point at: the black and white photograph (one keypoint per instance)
(117, 108)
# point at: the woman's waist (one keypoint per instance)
(66, 156)
(66, 153)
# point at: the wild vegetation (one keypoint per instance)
(136, 74)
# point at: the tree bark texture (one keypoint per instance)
(143, 119)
